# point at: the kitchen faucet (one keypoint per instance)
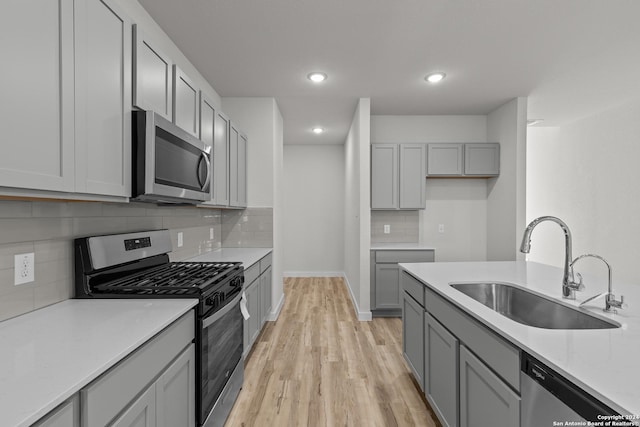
(569, 286)
(610, 302)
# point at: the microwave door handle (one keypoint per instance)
(203, 186)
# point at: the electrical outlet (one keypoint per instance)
(180, 239)
(211, 233)
(387, 228)
(440, 228)
(23, 267)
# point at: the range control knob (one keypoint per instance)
(213, 300)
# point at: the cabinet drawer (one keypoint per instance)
(251, 274)
(412, 286)
(498, 354)
(265, 263)
(405, 256)
(104, 398)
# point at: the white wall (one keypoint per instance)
(460, 205)
(586, 173)
(357, 214)
(313, 210)
(506, 194)
(260, 119)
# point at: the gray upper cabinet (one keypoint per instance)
(186, 102)
(37, 157)
(220, 186)
(484, 399)
(398, 176)
(473, 160)
(445, 160)
(482, 159)
(153, 76)
(237, 168)
(384, 176)
(413, 170)
(102, 98)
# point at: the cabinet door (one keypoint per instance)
(185, 102)
(237, 168)
(65, 415)
(141, 413)
(36, 40)
(253, 304)
(413, 337)
(102, 98)
(221, 160)
(265, 295)
(444, 159)
(152, 76)
(207, 132)
(482, 159)
(387, 292)
(413, 173)
(441, 371)
(484, 399)
(384, 176)
(175, 392)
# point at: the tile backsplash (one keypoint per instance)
(48, 228)
(404, 226)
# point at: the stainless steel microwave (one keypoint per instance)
(169, 164)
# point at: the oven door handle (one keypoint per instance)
(218, 314)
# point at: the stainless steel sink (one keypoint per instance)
(531, 309)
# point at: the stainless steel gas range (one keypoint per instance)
(136, 265)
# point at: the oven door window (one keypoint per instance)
(221, 351)
(178, 163)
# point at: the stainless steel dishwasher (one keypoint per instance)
(547, 397)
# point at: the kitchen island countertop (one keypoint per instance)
(604, 362)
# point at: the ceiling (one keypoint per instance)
(570, 57)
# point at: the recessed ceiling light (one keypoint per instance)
(317, 130)
(317, 77)
(435, 77)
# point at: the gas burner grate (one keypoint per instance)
(176, 278)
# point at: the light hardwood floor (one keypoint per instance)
(319, 366)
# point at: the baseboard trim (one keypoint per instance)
(313, 274)
(274, 314)
(363, 316)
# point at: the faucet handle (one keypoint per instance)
(611, 303)
(576, 285)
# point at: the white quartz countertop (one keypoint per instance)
(400, 247)
(603, 362)
(247, 256)
(48, 355)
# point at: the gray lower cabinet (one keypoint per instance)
(386, 292)
(65, 415)
(154, 386)
(387, 289)
(413, 336)
(265, 296)
(484, 399)
(141, 413)
(398, 174)
(441, 371)
(253, 305)
(258, 294)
